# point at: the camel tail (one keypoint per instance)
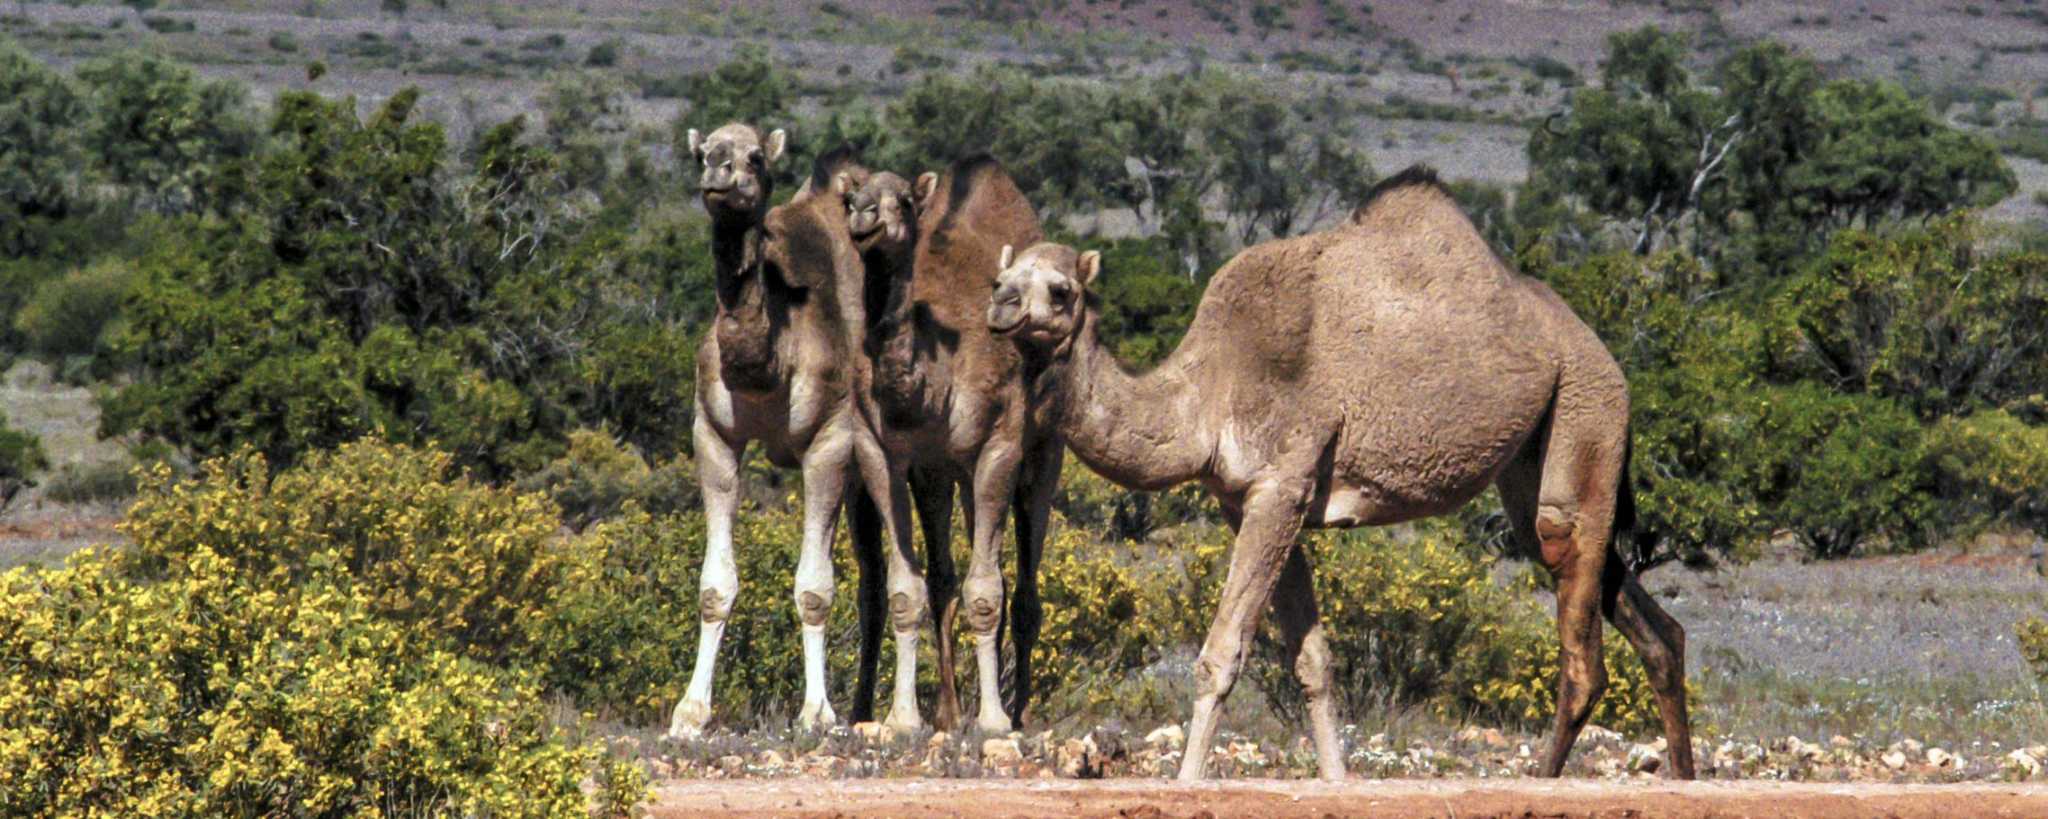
(1643, 540)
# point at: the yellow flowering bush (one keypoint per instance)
(446, 557)
(199, 693)
(2032, 635)
(1412, 618)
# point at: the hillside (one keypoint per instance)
(1453, 82)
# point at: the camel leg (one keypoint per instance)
(1032, 508)
(1569, 517)
(718, 473)
(1301, 633)
(933, 495)
(865, 523)
(888, 484)
(825, 477)
(995, 475)
(1273, 511)
(1660, 641)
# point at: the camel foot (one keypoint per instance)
(904, 721)
(689, 721)
(996, 724)
(816, 716)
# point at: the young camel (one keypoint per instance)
(773, 370)
(1382, 371)
(948, 401)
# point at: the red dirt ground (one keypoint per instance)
(1463, 799)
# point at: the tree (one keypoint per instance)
(364, 290)
(1762, 166)
(1279, 170)
(584, 115)
(1641, 148)
(1057, 139)
(175, 142)
(40, 149)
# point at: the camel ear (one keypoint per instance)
(927, 184)
(696, 145)
(1088, 267)
(776, 140)
(1004, 263)
(842, 183)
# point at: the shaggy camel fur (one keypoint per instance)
(1382, 371)
(773, 370)
(948, 401)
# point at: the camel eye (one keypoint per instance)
(1061, 291)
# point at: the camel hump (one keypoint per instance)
(830, 163)
(978, 188)
(979, 203)
(1415, 183)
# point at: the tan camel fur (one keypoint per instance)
(773, 371)
(1385, 370)
(948, 401)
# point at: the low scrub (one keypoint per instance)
(1412, 617)
(351, 636)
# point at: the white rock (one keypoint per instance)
(1894, 759)
(2024, 761)
(1166, 735)
(1001, 752)
(771, 759)
(875, 733)
(1942, 759)
(1644, 758)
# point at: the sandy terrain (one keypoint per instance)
(1454, 798)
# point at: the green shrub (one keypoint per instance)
(605, 54)
(95, 482)
(71, 314)
(283, 42)
(21, 457)
(598, 476)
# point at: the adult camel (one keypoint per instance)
(1385, 370)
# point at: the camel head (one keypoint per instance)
(1041, 295)
(881, 213)
(736, 161)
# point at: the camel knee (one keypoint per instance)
(1579, 687)
(1312, 666)
(715, 596)
(814, 604)
(1556, 526)
(984, 604)
(907, 608)
(1215, 675)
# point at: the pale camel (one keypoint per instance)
(1382, 371)
(948, 401)
(773, 370)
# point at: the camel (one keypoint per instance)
(1385, 370)
(774, 370)
(947, 399)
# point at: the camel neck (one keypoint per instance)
(892, 334)
(735, 255)
(1140, 431)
